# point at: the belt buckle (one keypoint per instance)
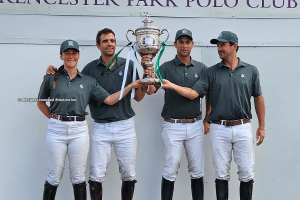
(190, 120)
(230, 121)
(68, 118)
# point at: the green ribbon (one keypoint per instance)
(157, 62)
(115, 57)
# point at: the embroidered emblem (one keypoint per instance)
(242, 75)
(196, 75)
(70, 43)
(120, 73)
(184, 31)
(81, 86)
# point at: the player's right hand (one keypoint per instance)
(51, 70)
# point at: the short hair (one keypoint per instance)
(232, 43)
(103, 31)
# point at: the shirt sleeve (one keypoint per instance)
(44, 92)
(99, 94)
(256, 90)
(202, 85)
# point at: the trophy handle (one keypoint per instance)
(161, 32)
(127, 34)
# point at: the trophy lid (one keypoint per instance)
(147, 22)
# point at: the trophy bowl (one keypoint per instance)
(148, 43)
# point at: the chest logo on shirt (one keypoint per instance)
(196, 75)
(120, 73)
(81, 86)
(242, 75)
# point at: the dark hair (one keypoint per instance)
(231, 43)
(103, 31)
(56, 74)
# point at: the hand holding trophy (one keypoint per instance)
(148, 43)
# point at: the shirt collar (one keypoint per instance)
(79, 74)
(178, 62)
(240, 64)
(100, 62)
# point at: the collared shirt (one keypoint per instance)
(111, 81)
(71, 97)
(177, 106)
(229, 90)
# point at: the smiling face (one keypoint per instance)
(70, 58)
(184, 46)
(107, 44)
(226, 51)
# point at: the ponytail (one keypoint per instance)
(57, 72)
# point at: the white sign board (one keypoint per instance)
(170, 8)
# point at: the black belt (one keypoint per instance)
(230, 122)
(68, 118)
(183, 120)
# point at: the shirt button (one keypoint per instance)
(68, 77)
(185, 73)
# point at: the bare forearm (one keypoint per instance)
(140, 93)
(184, 91)
(207, 106)
(44, 109)
(260, 110)
(114, 98)
(152, 89)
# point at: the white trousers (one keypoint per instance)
(189, 135)
(232, 140)
(121, 135)
(66, 138)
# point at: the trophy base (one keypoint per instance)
(149, 81)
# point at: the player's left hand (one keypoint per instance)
(260, 136)
(206, 127)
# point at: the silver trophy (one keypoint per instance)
(147, 43)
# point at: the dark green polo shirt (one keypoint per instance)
(229, 91)
(111, 81)
(71, 97)
(177, 106)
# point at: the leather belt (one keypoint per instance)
(68, 118)
(183, 120)
(230, 122)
